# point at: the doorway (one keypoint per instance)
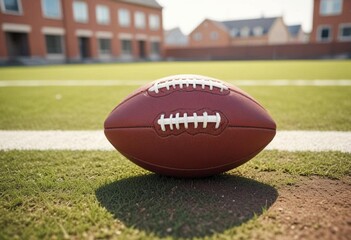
(142, 50)
(17, 44)
(84, 47)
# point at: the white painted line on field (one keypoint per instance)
(279, 82)
(95, 140)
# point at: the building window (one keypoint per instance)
(155, 48)
(80, 11)
(330, 7)
(154, 22)
(214, 35)
(54, 44)
(345, 32)
(126, 47)
(245, 32)
(11, 6)
(197, 36)
(324, 34)
(139, 19)
(51, 8)
(234, 32)
(102, 14)
(258, 31)
(124, 17)
(104, 46)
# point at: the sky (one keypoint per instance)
(187, 14)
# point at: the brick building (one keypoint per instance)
(259, 31)
(331, 21)
(76, 30)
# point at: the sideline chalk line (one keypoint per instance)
(278, 82)
(316, 141)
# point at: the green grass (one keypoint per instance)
(293, 108)
(72, 194)
(228, 70)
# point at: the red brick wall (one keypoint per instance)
(205, 29)
(333, 21)
(291, 51)
(33, 16)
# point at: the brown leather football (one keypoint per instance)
(189, 126)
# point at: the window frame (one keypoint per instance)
(96, 14)
(197, 36)
(55, 55)
(158, 53)
(104, 52)
(157, 26)
(131, 47)
(340, 37)
(87, 12)
(319, 32)
(246, 30)
(20, 9)
(214, 36)
(321, 13)
(51, 17)
(140, 13)
(119, 16)
(258, 31)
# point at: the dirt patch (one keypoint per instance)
(314, 208)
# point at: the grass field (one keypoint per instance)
(101, 195)
(229, 70)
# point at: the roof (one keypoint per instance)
(294, 29)
(264, 23)
(147, 3)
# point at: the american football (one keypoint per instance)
(189, 126)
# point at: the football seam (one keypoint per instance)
(138, 127)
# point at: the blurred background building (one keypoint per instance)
(38, 31)
(57, 31)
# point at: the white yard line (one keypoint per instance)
(95, 140)
(278, 82)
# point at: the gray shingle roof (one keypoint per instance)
(294, 29)
(147, 3)
(237, 25)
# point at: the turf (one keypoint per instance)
(71, 194)
(227, 70)
(293, 108)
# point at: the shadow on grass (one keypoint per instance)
(185, 208)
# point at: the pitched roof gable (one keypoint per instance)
(264, 23)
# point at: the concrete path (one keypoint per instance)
(278, 82)
(95, 140)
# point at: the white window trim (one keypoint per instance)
(197, 36)
(24, 28)
(50, 17)
(96, 14)
(330, 14)
(20, 9)
(78, 20)
(53, 31)
(319, 38)
(129, 17)
(126, 55)
(125, 36)
(84, 33)
(104, 34)
(341, 38)
(141, 37)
